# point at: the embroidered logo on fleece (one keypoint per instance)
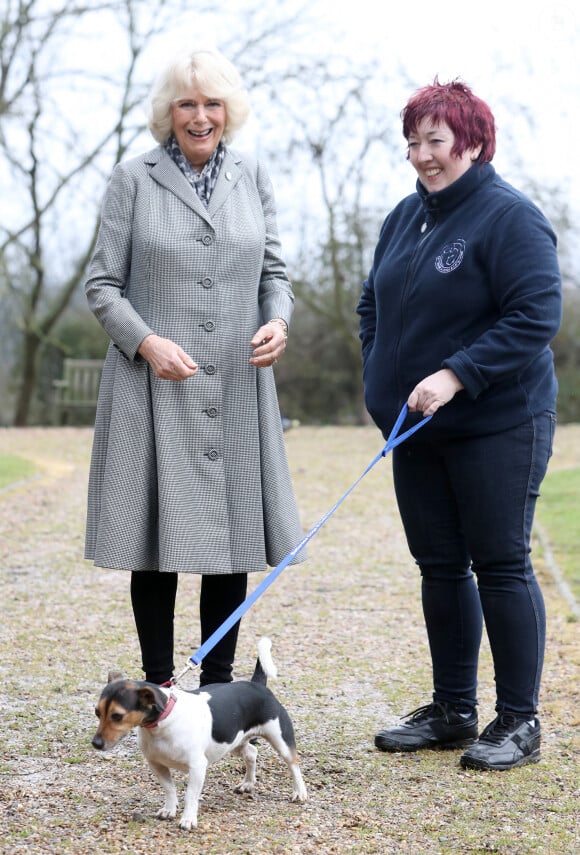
(450, 256)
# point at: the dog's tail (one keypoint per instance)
(265, 667)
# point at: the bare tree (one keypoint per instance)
(64, 126)
(341, 150)
(50, 160)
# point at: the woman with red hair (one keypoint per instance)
(456, 318)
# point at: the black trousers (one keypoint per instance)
(468, 507)
(153, 599)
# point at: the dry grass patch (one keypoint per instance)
(350, 646)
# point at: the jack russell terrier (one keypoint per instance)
(189, 730)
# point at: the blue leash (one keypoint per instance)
(393, 440)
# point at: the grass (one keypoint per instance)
(350, 645)
(14, 469)
(559, 513)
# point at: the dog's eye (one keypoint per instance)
(97, 713)
(116, 716)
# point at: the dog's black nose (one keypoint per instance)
(97, 742)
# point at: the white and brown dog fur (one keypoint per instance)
(189, 730)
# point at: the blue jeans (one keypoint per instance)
(467, 507)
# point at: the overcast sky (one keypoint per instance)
(524, 53)
(520, 57)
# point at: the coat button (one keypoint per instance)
(228, 176)
(212, 412)
(206, 239)
(209, 326)
(212, 454)
(210, 369)
(207, 282)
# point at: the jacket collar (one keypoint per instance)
(168, 175)
(228, 177)
(450, 197)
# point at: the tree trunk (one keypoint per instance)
(28, 380)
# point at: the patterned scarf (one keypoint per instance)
(202, 182)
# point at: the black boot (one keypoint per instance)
(437, 725)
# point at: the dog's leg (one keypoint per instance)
(163, 775)
(290, 757)
(195, 781)
(249, 754)
(299, 793)
(287, 751)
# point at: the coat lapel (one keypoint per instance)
(228, 177)
(168, 175)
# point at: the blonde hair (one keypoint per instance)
(213, 75)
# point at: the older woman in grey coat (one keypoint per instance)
(189, 471)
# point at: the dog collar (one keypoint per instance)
(171, 701)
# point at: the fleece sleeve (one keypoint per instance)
(522, 266)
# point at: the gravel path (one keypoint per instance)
(350, 646)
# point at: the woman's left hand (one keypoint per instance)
(433, 392)
(269, 344)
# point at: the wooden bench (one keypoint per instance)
(75, 395)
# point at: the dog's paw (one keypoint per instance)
(300, 796)
(247, 788)
(188, 823)
(166, 812)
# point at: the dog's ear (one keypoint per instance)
(147, 698)
(115, 675)
(151, 701)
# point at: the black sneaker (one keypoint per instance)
(437, 725)
(510, 740)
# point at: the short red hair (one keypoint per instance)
(467, 116)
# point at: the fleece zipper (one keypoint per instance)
(427, 230)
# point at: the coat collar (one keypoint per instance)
(168, 175)
(228, 177)
(455, 193)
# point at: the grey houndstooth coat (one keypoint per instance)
(188, 476)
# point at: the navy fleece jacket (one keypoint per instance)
(466, 279)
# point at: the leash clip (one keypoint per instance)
(190, 666)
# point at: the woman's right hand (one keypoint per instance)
(434, 392)
(167, 359)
